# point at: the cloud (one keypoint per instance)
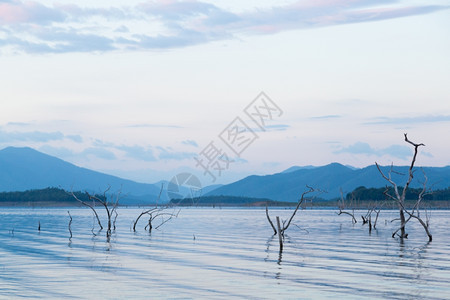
(190, 143)
(238, 160)
(122, 28)
(138, 152)
(178, 10)
(277, 127)
(32, 27)
(427, 154)
(169, 154)
(398, 151)
(326, 117)
(153, 126)
(65, 153)
(32, 136)
(402, 152)
(147, 154)
(75, 138)
(100, 143)
(61, 41)
(274, 127)
(410, 120)
(60, 152)
(22, 12)
(358, 148)
(99, 152)
(19, 124)
(271, 164)
(70, 40)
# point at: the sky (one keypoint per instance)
(148, 89)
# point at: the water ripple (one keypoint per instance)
(220, 253)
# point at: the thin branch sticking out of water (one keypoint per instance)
(70, 223)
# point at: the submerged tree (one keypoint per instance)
(154, 213)
(343, 209)
(367, 218)
(399, 197)
(284, 225)
(110, 208)
(372, 207)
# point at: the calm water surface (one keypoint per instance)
(220, 254)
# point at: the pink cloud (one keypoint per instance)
(183, 23)
(12, 13)
(16, 12)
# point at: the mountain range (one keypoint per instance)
(25, 168)
(288, 186)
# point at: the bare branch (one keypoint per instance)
(378, 213)
(301, 228)
(155, 212)
(424, 224)
(341, 206)
(167, 220)
(115, 218)
(270, 221)
(411, 173)
(143, 213)
(389, 180)
(70, 223)
(287, 223)
(91, 207)
(310, 190)
(347, 213)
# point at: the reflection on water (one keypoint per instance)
(219, 253)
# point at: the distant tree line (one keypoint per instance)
(226, 201)
(378, 194)
(56, 197)
(49, 196)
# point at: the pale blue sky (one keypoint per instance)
(138, 88)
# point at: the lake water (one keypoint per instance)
(220, 254)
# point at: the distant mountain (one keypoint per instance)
(210, 188)
(308, 167)
(296, 168)
(25, 168)
(330, 178)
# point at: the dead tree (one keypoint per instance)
(367, 218)
(160, 213)
(155, 212)
(286, 223)
(341, 206)
(110, 208)
(145, 212)
(400, 196)
(377, 210)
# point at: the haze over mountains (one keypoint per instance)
(25, 168)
